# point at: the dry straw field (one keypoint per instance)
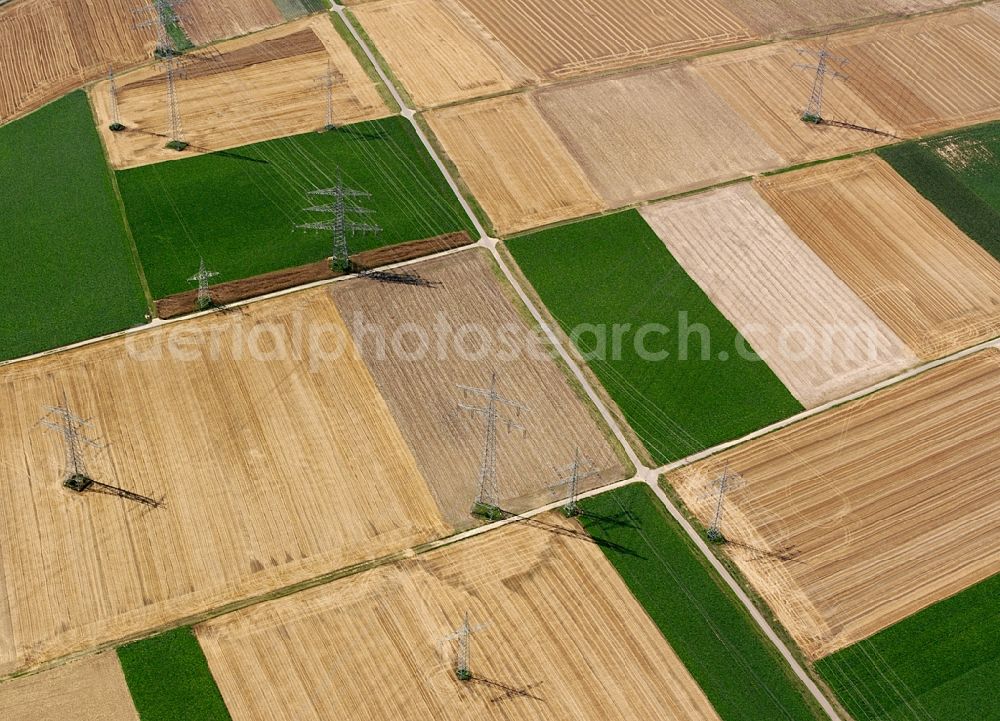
(514, 164)
(935, 288)
(859, 517)
(817, 336)
(485, 333)
(560, 625)
(48, 47)
(92, 689)
(263, 86)
(277, 458)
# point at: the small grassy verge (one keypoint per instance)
(741, 673)
(942, 663)
(169, 679)
(238, 209)
(675, 366)
(67, 272)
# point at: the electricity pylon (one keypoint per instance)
(488, 496)
(814, 109)
(160, 15)
(719, 488)
(328, 82)
(73, 430)
(116, 121)
(202, 278)
(580, 470)
(341, 225)
(462, 635)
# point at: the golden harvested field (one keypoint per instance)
(762, 85)
(817, 336)
(881, 506)
(436, 55)
(768, 18)
(251, 89)
(92, 689)
(935, 288)
(653, 133)
(278, 460)
(370, 646)
(512, 161)
(208, 20)
(927, 74)
(577, 37)
(471, 327)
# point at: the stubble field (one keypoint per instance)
(277, 458)
(482, 332)
(560, 625)
(256, 88)
(934, 287)
(861, 516)
(817, 336)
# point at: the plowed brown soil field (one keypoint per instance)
(436, 54)
(276, 455)
(514, 164)
(559, 625)
(653, 133)
(934, 287)
(817, 336)
(256, 88)
(89, 690)
(858, 517)
(457, 333)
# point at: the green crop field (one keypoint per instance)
(238, 209)
(960, 174)
(169, 679)
(942, 663)
(740, 671)
(68, 271)
(612, 276)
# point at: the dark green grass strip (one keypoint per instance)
(614, 270)
(67, 272)
(932, 178)
(291, 9)
(169, 679)
(238, 209)
(942, 663)
(741, 673)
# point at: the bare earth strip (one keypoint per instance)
(247, 90)
(93, 689)
(879, 507)
(928, 74)
(819, 338)
(653, 133)
(937, 289)
(561, 626)
(471, 328)
(515, 166)
(762, 85)
(276, 455)
(569, 38)
(437, 57)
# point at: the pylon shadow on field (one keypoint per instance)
(362, 134)
(570, 533)
(785, 553)
(508, 691)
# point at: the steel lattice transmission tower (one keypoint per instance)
(202, 278)
(328, 82)
(161, 15)
(173, 71)
(73, 430)
(488, 494)
(341, 225)
(580, 470)
(722, 485)
(814, 110)
(116, 121)
(463, 634)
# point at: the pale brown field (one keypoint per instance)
(48, 47)
(577, 37)
(513, 163)
(992, 9)
(935, 288)
(817, 336)
(653, 133)
(927, 74)
(879, 507)
(560, 624)
(420, 387)
(278, 461)
(436, 55)
(89, 690)
(784, 17)
(251, 89)
(762, 85)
